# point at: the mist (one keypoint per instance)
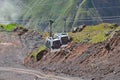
(10, 11)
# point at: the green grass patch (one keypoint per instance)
(92, 34)
(99, 37)
(9, 27)
(35, 53)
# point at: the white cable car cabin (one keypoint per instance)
(52, 43)
(64, 37)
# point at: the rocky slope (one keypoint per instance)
(90, 61)
(96, 62)
(13, 50)
(19, 46)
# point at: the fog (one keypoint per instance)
(10, 10)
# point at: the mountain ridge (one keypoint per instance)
(36, 14)
(78, 12)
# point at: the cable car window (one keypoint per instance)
(56, 44)
(64, 40)
(48, 44)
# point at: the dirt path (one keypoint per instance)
(38, 74)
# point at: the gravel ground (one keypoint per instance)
(14, 76)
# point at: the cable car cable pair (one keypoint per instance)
(59, 39)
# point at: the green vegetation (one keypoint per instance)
(93, 34)
(35, 53)
(76, 12)
(37, 13)
(43, 10)
(9, 27)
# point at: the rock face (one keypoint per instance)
(13, 50)
(97, 62)
(31, 41)
(20, 46)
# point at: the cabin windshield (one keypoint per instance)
(47, 44)
(56, 44)
(64, 40)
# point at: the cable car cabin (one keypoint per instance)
(64, 38)
(53, 43)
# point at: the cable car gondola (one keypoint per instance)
(64, 38)
(51, 41)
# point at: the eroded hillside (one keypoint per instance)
(99, 61)
(90, 61)
(86, 60)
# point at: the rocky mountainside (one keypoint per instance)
(76, 11)
(91, 62)
(13, 50)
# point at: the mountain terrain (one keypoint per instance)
(92, 54)
(87, 60)
(37, 13)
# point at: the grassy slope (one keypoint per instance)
(43, 10)
(93, 34)
(40, 11)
